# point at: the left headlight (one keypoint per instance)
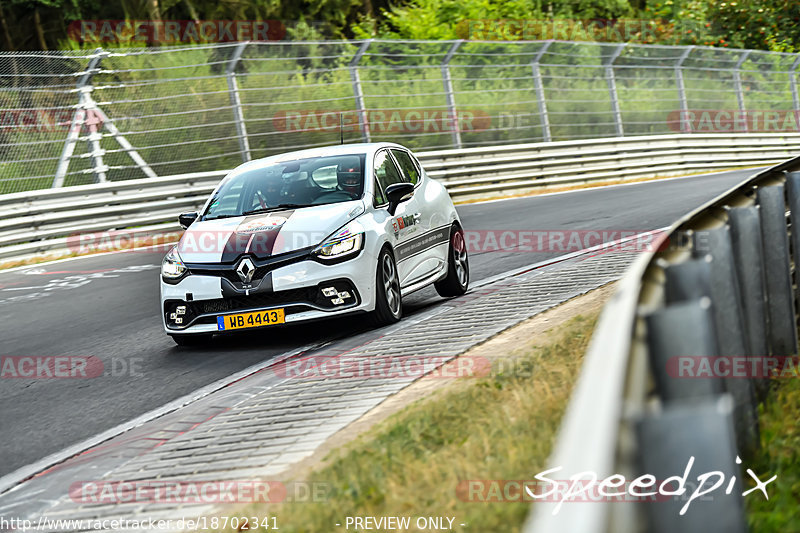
(340, 246)
(172, 268)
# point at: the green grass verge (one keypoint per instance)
(498, 427)
(779, 454)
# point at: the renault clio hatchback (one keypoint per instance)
(312, 234)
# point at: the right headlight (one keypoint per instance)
(341, 245)
(172, 268)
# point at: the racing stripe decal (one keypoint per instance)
(255, 235)
(422, 243)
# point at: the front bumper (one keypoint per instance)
(306, 290)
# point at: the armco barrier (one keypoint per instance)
(719, 286)
(41, 221)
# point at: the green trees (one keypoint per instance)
(44, 24)
(756, 24)
(759, 24)
(769, 25)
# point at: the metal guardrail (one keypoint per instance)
(31, 224)
(720, 285)
(74, 117)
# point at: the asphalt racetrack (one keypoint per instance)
(107, 307)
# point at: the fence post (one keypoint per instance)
(78, 117)
(686, 124)
(120, 138)
(612, 89)
(357, 91)
(737, 77)
(793, 84)
(236, 102)
(448, 91)
(96, 152)
(539, 88)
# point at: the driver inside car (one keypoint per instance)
(348, 176)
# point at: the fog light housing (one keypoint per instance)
(336, 293)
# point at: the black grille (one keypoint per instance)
(267, 299)
(294, 300)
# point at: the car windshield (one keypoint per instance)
(290, 184)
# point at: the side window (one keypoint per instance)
(407, 165)
(386, 171)
(380, 199)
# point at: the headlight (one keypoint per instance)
(172, 267)
(340, 245)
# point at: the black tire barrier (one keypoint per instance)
(666, 441)
(692, 319)
(781, 322)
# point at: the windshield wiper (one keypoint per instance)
(274, 208)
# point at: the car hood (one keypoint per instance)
(264, 235)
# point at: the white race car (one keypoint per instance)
(309, 235)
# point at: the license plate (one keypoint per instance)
(250, 320)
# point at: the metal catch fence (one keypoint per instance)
(80, 117)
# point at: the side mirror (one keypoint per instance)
(186, 219)
(395, 194)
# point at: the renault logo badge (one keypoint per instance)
(246, 269)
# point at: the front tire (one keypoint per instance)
(456, 282)
(388, 299)
(193, 340)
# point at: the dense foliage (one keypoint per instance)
(759, 24)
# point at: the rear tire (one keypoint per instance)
(192, 339)
(456, 282)
(388, 300)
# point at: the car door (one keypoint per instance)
(430, 245)
(403, 226)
